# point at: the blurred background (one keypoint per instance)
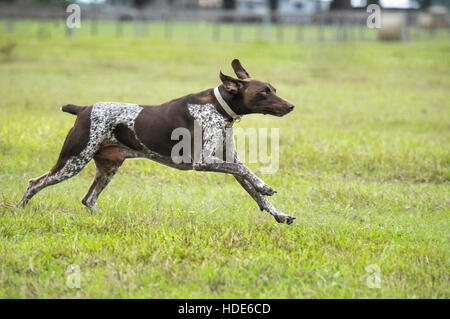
(239, 20)
(364, 159)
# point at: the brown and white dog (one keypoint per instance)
(110, 132)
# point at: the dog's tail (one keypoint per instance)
(72, 109)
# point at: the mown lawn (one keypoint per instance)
(364, 166)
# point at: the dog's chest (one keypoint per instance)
(207, 118)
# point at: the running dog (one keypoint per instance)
(110, 132)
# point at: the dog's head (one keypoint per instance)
(250, 95)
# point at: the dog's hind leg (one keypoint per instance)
(59, 173)
(107, 161)
(76, 152)
(104, 173)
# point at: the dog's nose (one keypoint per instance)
(291, 106)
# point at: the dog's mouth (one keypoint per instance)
(276, 112)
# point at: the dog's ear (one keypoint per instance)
(232, 85)
(239, 70)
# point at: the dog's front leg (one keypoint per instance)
(231, 153)
(209, 162)
(213, 164)
(263, 203)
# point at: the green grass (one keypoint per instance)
(364, 166)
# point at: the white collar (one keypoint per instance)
(225, 105)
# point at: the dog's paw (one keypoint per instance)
(95, 209)
(290, 219)
(283, 218)
(266, 190)
(21, 204)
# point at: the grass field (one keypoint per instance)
(364, 166)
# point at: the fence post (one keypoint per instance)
(119, 28)
(320, 26)
(259, 30)
(344, 26)
(68, 30)
(335, 26)
(167, 27)
(136, 28)
(144, 27)
(267, 25)
(216, 31)
(94, 26)
(9, 25)
(363, 30)
(280, 33)
(237, 29)
(42, 32)
(299, 30)
(448, 24)
(352, 28)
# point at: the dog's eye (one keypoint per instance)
(266, 91)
